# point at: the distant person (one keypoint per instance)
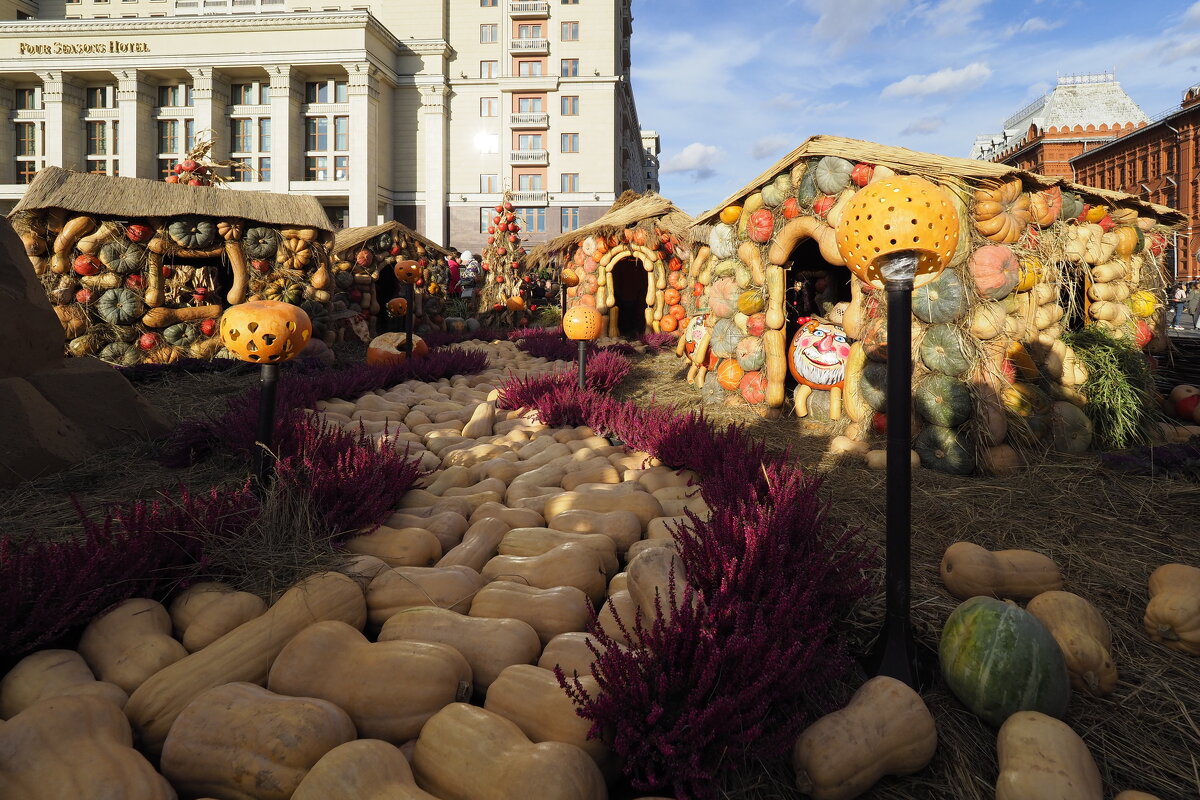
(1177, 299)
(452, 268)
(1193, 304)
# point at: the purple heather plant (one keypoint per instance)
(658, 342)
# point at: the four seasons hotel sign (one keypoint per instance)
(112, 46)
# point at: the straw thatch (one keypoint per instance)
(945, 168)
(351, 238)
(109, 195)
(624, 213)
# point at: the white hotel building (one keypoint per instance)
(423, 111)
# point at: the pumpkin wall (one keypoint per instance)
(993, 378)
(363, 276)
(671, 293)
(151, 290)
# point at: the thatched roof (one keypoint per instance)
(107, 195)
(349, 238)
(625, 212)
(944, 168)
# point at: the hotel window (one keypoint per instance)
(316, 168)
(341, 134)
(29, 149)
(568, 219)
(529, 69)
(264, 168)
(570, 142)
(487, 69)
(250, 94)
(529, 183)
(535, 219)
(168, 135)
(570, 68)
(489, 184)
(341, 168)
(100, 97)
(570, 182)
(27, 138)
(250, 139)
(489, 106)
(101, 146)
(529, 105)
(489, 34)
(570, 106)
(327, 92)
(529, 141)
(175, 96)
(570, 2)
(264, 134)
(316, 133)
(529, 31)
(487, 3)
(485, 219)
(570, 32)
(29, 99)
(241, 135)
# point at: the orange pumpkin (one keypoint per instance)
(1002, 213)
(677, 280)
(730, 214)
(387, 349)
(397, 306)
(588, 300)
(583, 322)
(265, 331)
(639, 236)
(1045, 206)
(407, 271)
(671, 296)
(668, 324)
(515, 304)
(678, 312)
(569, 277)
(753, 387)
(729, 374)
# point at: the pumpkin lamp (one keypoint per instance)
(265, 332)
(582, 324)
(408, 272)
(897, 234)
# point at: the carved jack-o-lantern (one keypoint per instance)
(582, 323)
(818, 353)
(407, 271)
(397, 306)
(265, 331)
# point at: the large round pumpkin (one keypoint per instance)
(723, 295)
(582, 323)
(1070, 427)
(1072, 206)
(387, 349)
(1045, 206)
(753, 387)
(998, 659)
(945, 450)
(943, 400)
(750, 353)
(261, 242)
(832, 174)
(944, 299)
(725, 338)
(729, 374)
(123, 256)
(995, 270)
(120, 307)
(873, 385)
(943, 349)
(123, 354)
(193, 233)
(760, 225)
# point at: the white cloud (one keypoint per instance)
(953, 17)
(772, 145)
(841, 23)
(1192, 15)
(1032, 25)
(940, 82)
(923, 126)
(696, 158)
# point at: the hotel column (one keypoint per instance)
(433, 120)
(210, 93)
(62, 97)
(287, 128)
(364, 157)
(8, 134)
(138, 136)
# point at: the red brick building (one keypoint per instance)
(1080, 113)
(1160, 162)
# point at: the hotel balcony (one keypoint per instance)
(535, 119)
(530, 198)
(523, 10)
(529, 47)
(529, 158)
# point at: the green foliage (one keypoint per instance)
(549, 316)
(1119, 388)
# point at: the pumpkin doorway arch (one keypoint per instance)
(630, 285)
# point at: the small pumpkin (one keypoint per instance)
(943, 449)
(1002, 212)
(751, 302)
(123, 354)
(1083, 636)
(180, 334)
(753, 387)
(1045, 206)
(729, 374)
(730, 214)
(294, 254)
(775, 192)
(1072, 206)
(120, 306)
(995, 271)
(725, 338)
(998, 659)
(872, 385)
(387, 349)
(1173, 613)
(832, 174)
(721, 240)
(1070, 428)
(261, 242)
(943, 400)
(123, 256)
(750, 353)
(944, 299)
(139, 233)
(193, 233)
(944, 350)
(760, 225)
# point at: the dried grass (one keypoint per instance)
(1107, 532)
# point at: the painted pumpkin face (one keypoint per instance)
(693, 333)
(818, 354)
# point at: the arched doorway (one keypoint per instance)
(630, 283)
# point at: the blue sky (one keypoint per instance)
(732, 86)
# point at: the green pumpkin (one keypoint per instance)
(1070, 427)
(725, 338)
(383, 242)
(712, 392)
(750, 302)
(293, 293)
(750, 354)
(1072, 206)
(120, 306)
(944, 350)
(123, 256)
(778, 190)
(122, 354)
(945, 450)
(943, 400)
(832, 174)
(318, 314)
(808, 192)
(998, 659)
(181, 334)
(873, 385)
(944, 299)
(261, 242)
(193, 233)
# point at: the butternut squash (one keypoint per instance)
(240, 741)
(480, 543)
(129, 643)
(571, 652)
(241, 275)
(469, 753)
(204, 612)
(776, 295)
(1042, 758)
(618, 611)
(243, 654)
(805, 227)
(75, 229)
(365, 769)
(488, 644)
(514, 517)
(968, 570)
(335, 662)
(404, 547)
(570, 564)
(536, 541)
(776, 367)
(652, 575)
(1173, 613)
(76, 747)
(643, 505)
(165, 317)
(884, 730)
(1083, 636)
(450, 587)
(531, 698)
(548, 611)
(52, 673)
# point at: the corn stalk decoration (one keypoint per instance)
(504, 279)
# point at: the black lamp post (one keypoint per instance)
(898, 233)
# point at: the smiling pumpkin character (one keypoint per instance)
(817, 360)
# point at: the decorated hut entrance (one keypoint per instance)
(630, 265)
(998, 371)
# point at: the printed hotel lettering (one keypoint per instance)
(85, 49)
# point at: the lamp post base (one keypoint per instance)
(898, 655)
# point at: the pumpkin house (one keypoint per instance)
(139, 271)
(784, 326)
(363, 268)
(630, 265)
